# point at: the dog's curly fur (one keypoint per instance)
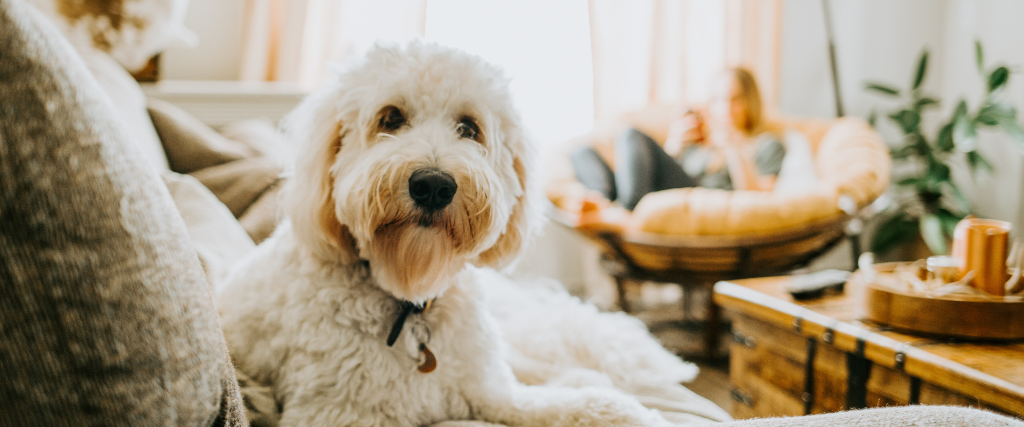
(309, 311)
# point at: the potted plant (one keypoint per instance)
(927, 202)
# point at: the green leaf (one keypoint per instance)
(979, 57)
(961, 110)
(1013, 129)
(922, 66)
(931, 231)
(998, 111)
(907, 119)
(893, 231)
(903, 152)
(945, 138)
(985, 119)
(949, 220)
(979, 164)
(964, 135)
(873, 117)
(938, 172)
(924, 102)
(998, 78)
(877, 87)
(915, 181)
(961, 200)
(916, 139)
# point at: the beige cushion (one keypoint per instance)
(263, 215)
(190, 144)
(219, 240)
(262, 137)
(906, 416)
(241, 166)
(260, 405)
(129, 103)
(107, 316)
(239, 183)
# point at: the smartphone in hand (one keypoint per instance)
(687, 129)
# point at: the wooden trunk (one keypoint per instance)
(793, 358)
(768, 370)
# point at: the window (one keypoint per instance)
(544, 46)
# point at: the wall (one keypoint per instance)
(880, 40)
(996, 23)
(218, 24)
(876, 40)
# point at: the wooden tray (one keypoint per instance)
(961, 316)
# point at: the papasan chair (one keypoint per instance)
(698, 236)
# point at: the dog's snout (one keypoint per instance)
(432, 189)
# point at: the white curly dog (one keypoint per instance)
(365, 308)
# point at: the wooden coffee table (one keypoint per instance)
(794, 358)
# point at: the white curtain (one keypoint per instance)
(294, 40)
(668, 51)
(643, 52)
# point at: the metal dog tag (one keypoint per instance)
(427, 362)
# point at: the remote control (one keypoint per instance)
(817, 284)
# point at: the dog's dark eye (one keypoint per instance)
(391, 119)
(468, 129)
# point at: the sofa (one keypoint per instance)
(107, 312)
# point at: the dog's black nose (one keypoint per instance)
(432, 189)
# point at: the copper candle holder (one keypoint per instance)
(983, 244)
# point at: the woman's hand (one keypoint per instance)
(739, 157)
(688, 128)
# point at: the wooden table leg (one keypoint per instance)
(711, 328)
(620, 285)
(686, 302)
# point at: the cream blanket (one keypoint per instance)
(554, 338)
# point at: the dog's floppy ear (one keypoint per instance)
(525, 218)
(315, 128)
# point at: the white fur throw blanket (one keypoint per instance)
(554, 338)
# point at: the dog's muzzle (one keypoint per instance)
(432, 189)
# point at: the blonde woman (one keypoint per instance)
(724, 145)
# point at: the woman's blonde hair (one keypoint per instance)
(751, 97)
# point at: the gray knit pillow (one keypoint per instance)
(105, 315)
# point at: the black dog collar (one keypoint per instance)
(405, 308)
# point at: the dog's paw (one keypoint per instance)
(588, 406)
(607, 407)
(465, 424)
(580, 377)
